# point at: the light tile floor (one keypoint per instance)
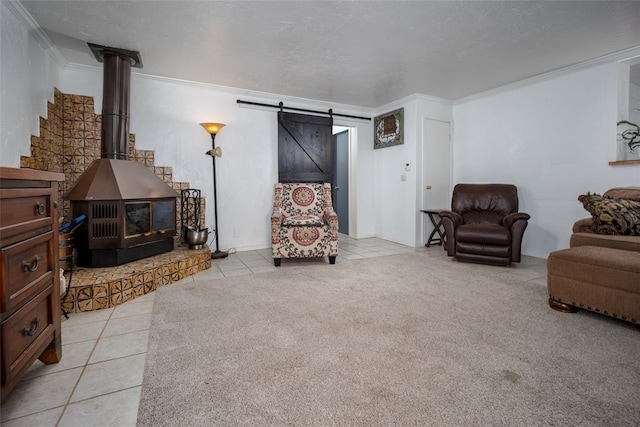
(99, 380)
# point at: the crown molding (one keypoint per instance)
(18, 10)
(84, 67)
(393, 105)
(265, 97)
(411, 98)
(430, 98)
(621, 55)
(257, 96)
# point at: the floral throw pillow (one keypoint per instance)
(612, 216)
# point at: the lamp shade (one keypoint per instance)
(212, 128)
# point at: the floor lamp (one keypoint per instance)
(213, 129)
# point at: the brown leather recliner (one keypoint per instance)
(484, 224)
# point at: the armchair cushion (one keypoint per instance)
(484, 203)
(490, 234)
(302, 199)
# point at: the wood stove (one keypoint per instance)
(131, 213)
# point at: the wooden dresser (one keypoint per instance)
(30, 312)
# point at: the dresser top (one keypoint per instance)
(29, 174)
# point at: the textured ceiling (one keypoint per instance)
(357, 52)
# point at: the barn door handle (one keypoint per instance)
(31, 266)
(26, 332)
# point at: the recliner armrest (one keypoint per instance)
(455, 217)
(450, 220)
(511, 218)
(516, 222)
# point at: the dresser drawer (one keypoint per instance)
(26, 334)
(29, 278)
(25, 213)
(26, 268)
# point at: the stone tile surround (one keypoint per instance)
(69, 141)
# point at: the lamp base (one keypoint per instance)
(219, 254)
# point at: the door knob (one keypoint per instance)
(336, 188)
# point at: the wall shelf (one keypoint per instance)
(624, 162)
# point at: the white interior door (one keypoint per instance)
(436, 169)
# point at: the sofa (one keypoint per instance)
(600, 271)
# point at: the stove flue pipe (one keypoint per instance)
(115, 106)
(116, 85)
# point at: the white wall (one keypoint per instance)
(395, 199)
(397, 208)
(165, 117)
(29, 75)
(553, 139)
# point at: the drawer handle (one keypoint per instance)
(26, 332)
(31, 266)
(40, 208)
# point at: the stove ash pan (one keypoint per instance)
(121, 231)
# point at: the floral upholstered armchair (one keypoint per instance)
(303, 222)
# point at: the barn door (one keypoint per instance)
(305, 149)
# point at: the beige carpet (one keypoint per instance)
(399, 340)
